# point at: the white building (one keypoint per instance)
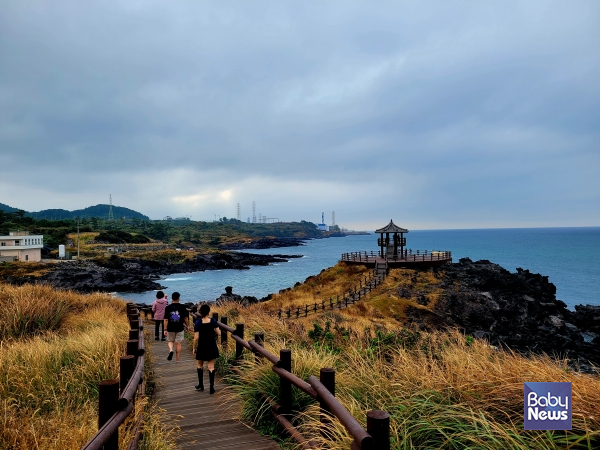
(21, 246)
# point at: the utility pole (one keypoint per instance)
(78, 240)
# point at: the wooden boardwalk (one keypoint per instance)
(197, 413)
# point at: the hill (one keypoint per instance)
(7, 208)
(100, 211)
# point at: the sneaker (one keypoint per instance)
(163, 339)
(170, 357)
(156, 338)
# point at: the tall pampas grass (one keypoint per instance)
(442, 389)
(56, 346)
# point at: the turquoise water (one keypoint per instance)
(570, 257)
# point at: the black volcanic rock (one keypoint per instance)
(518, 310)
(264, 243)
(229, 296)
(139, 275)
(89, 277)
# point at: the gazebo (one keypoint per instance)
(393, 253)
(389, 245)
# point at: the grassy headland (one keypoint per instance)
(442, 389)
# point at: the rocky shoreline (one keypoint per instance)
(139, 275)
(515, 310)
(264, 243)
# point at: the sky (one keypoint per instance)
(437, 114)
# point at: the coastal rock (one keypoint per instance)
(89, 277)
(138, 275)
(229, 296)
(264, 243)
(518, 310)
(587, 318)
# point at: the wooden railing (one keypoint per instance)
(116, 398)
(348, 298)
(322, 389)
(407, 255)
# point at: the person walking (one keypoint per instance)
(158, 308)
(206, 331)
(175, 323)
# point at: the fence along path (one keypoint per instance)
(349, 298)
(197, 413)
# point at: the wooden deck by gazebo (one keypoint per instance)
(393, 253)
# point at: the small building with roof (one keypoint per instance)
(393, 252)
(21, 246)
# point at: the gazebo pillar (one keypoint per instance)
(399, 242)
(401, 245)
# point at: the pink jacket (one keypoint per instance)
(158, 307)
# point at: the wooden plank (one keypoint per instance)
(198, 416)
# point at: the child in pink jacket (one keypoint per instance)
(158, 308)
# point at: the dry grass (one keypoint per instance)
(385, 305)
(56, 346)
(442, 390)
(21, 269)
(332, 282)
(34, 309)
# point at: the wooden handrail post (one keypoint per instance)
(132, 348)
(259, 338)
(224, 333)
(378, 426)
(126, 368)
(327, 377)
(216, 316)
(134, 334)
(108, 395)
(285, 386)
(239, 348)
(134, 323)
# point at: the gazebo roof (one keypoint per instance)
(391, 228)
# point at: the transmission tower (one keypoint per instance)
(239, 212)
(253, 212)
(110, 211)
(332, 217)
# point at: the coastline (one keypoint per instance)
(121, 274)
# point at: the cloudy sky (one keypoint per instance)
(448, 114)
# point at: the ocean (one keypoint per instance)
(570, 257)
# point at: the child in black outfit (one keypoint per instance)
(206, 331)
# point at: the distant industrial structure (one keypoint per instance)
(322, 226)
(259, 219)
(333, 226)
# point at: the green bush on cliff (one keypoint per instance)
(119, 237)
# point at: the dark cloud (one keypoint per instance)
(479, 110)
